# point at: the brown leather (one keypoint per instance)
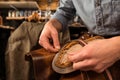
(79, 75)
(61, 63)
(113, 73)
(42, 61)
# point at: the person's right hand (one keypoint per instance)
(48, 34)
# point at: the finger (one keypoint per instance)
(84, 65)
(81, 54)
(76, 56)
(46, 44)
(101, 67)
(98, 69)
(56, 41)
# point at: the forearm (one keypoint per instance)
(64, 13)
(55, 23)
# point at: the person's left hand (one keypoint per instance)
(96, 55)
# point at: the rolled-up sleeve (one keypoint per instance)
(65, 12)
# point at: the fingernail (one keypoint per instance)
(57, 47)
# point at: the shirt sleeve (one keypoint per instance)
(65, 12)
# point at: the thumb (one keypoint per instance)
(56, 42)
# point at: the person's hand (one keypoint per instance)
(97, 55)
(49, 36)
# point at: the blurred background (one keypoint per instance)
(13, 13)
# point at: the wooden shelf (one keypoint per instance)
(19, 4)
(21, 18)
(6, 27)
(15, 18)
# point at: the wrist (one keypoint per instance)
(55, 23)
(116, 43)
